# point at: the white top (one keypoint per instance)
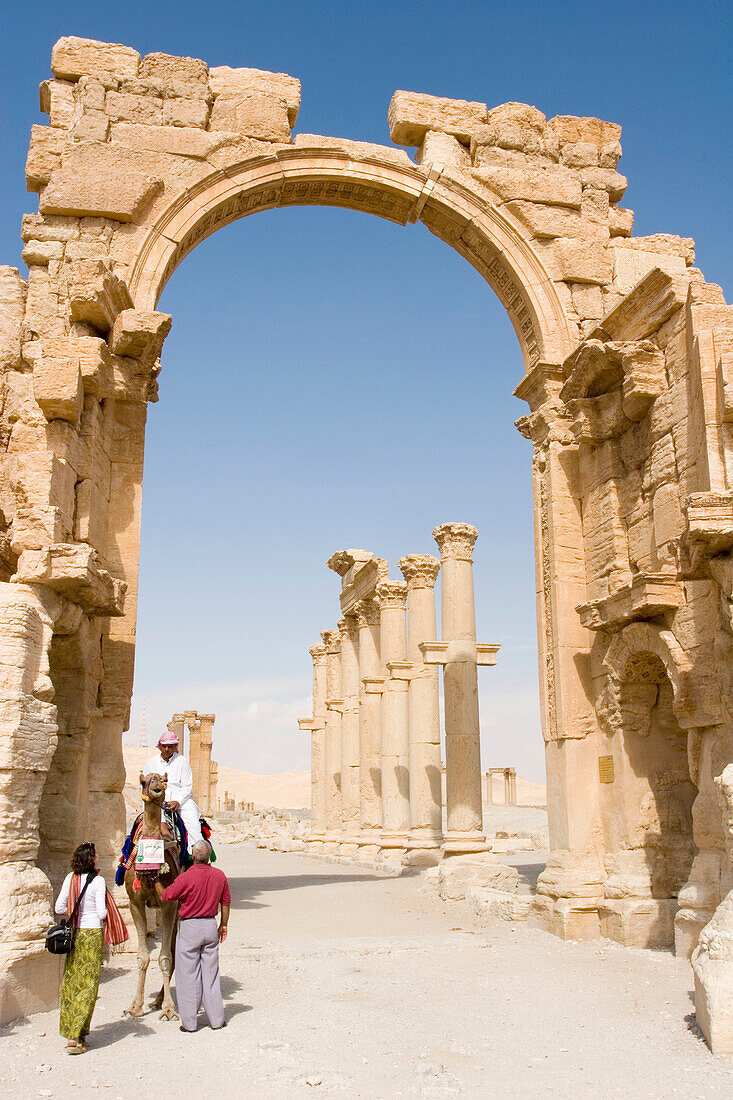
(177, 771)
(93, 908)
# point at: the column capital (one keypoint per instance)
(392, 593)
(367, 612)
(317, 651)
(456, 540)
(419, 570)
(348, 626)
(332, 641)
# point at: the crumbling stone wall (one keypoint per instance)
(627, 353)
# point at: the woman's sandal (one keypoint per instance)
(75, 1046)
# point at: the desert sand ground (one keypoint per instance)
(339, 982)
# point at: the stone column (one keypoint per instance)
(191, 719)
(350, 686)
(465, 817)
(206, 741)
(334, 822)
(317, 727)
(370, 731)
(392, 596)
(426, 797)
(213, 784)
(177, 725)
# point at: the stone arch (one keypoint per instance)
(378, 184)
(696, 699)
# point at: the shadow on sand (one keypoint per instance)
(244, 890)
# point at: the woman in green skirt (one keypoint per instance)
(83, 965)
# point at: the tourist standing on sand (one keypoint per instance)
(202, 891)
(84, 963)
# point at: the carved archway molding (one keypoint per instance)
(696, 698)
(376, 184)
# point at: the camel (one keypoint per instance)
(140, 887)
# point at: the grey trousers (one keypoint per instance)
(197, 972)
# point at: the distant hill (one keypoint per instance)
(284, 791)
(287, 790)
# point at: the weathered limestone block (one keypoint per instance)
(639, 922)
(412, 114)
(644, 377)
(440, 148)
(357, 150)
(551, 186)
(91, 126)
(96, 294)
(124, 107)
(253, 114)
(168, 69)
(135, 380)
(36, 227)
(651, 302)
(139, 334)
(12, 306)
(571, 131)
(226, 81)
(630, 265)
(74, 57)
(91, 515)
(73, 571)
(185, 112)
(57, 100)
(516, 126)
(620, 221)
(186, 141)
(583, 261)
(605, 179)
(89, 353)
(547, 222)
(461, 872)
(44, 154)
(57, 387)
(90, 93)
(99, 180)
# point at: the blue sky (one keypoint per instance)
(333, 380)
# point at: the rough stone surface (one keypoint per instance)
(412, 115)
(629, 386)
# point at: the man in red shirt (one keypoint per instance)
(201, 891)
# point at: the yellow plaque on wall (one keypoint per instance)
(605, 769)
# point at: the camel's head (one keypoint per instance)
(153, 788)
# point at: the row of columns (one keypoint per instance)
(204, 770)
(375, 729)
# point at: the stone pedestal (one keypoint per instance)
(349, 735)
(392, 597)
(334, 821)
(426, 802)
(370, 730)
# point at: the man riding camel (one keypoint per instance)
(177, 770)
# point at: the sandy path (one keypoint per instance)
(340, 982)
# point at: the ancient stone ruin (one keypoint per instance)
(375, 730)
(204, 770)
(628, 356)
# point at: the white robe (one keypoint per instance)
(180, 789)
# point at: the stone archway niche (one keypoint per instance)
(628, 357)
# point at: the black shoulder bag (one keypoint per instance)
(60, 938)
